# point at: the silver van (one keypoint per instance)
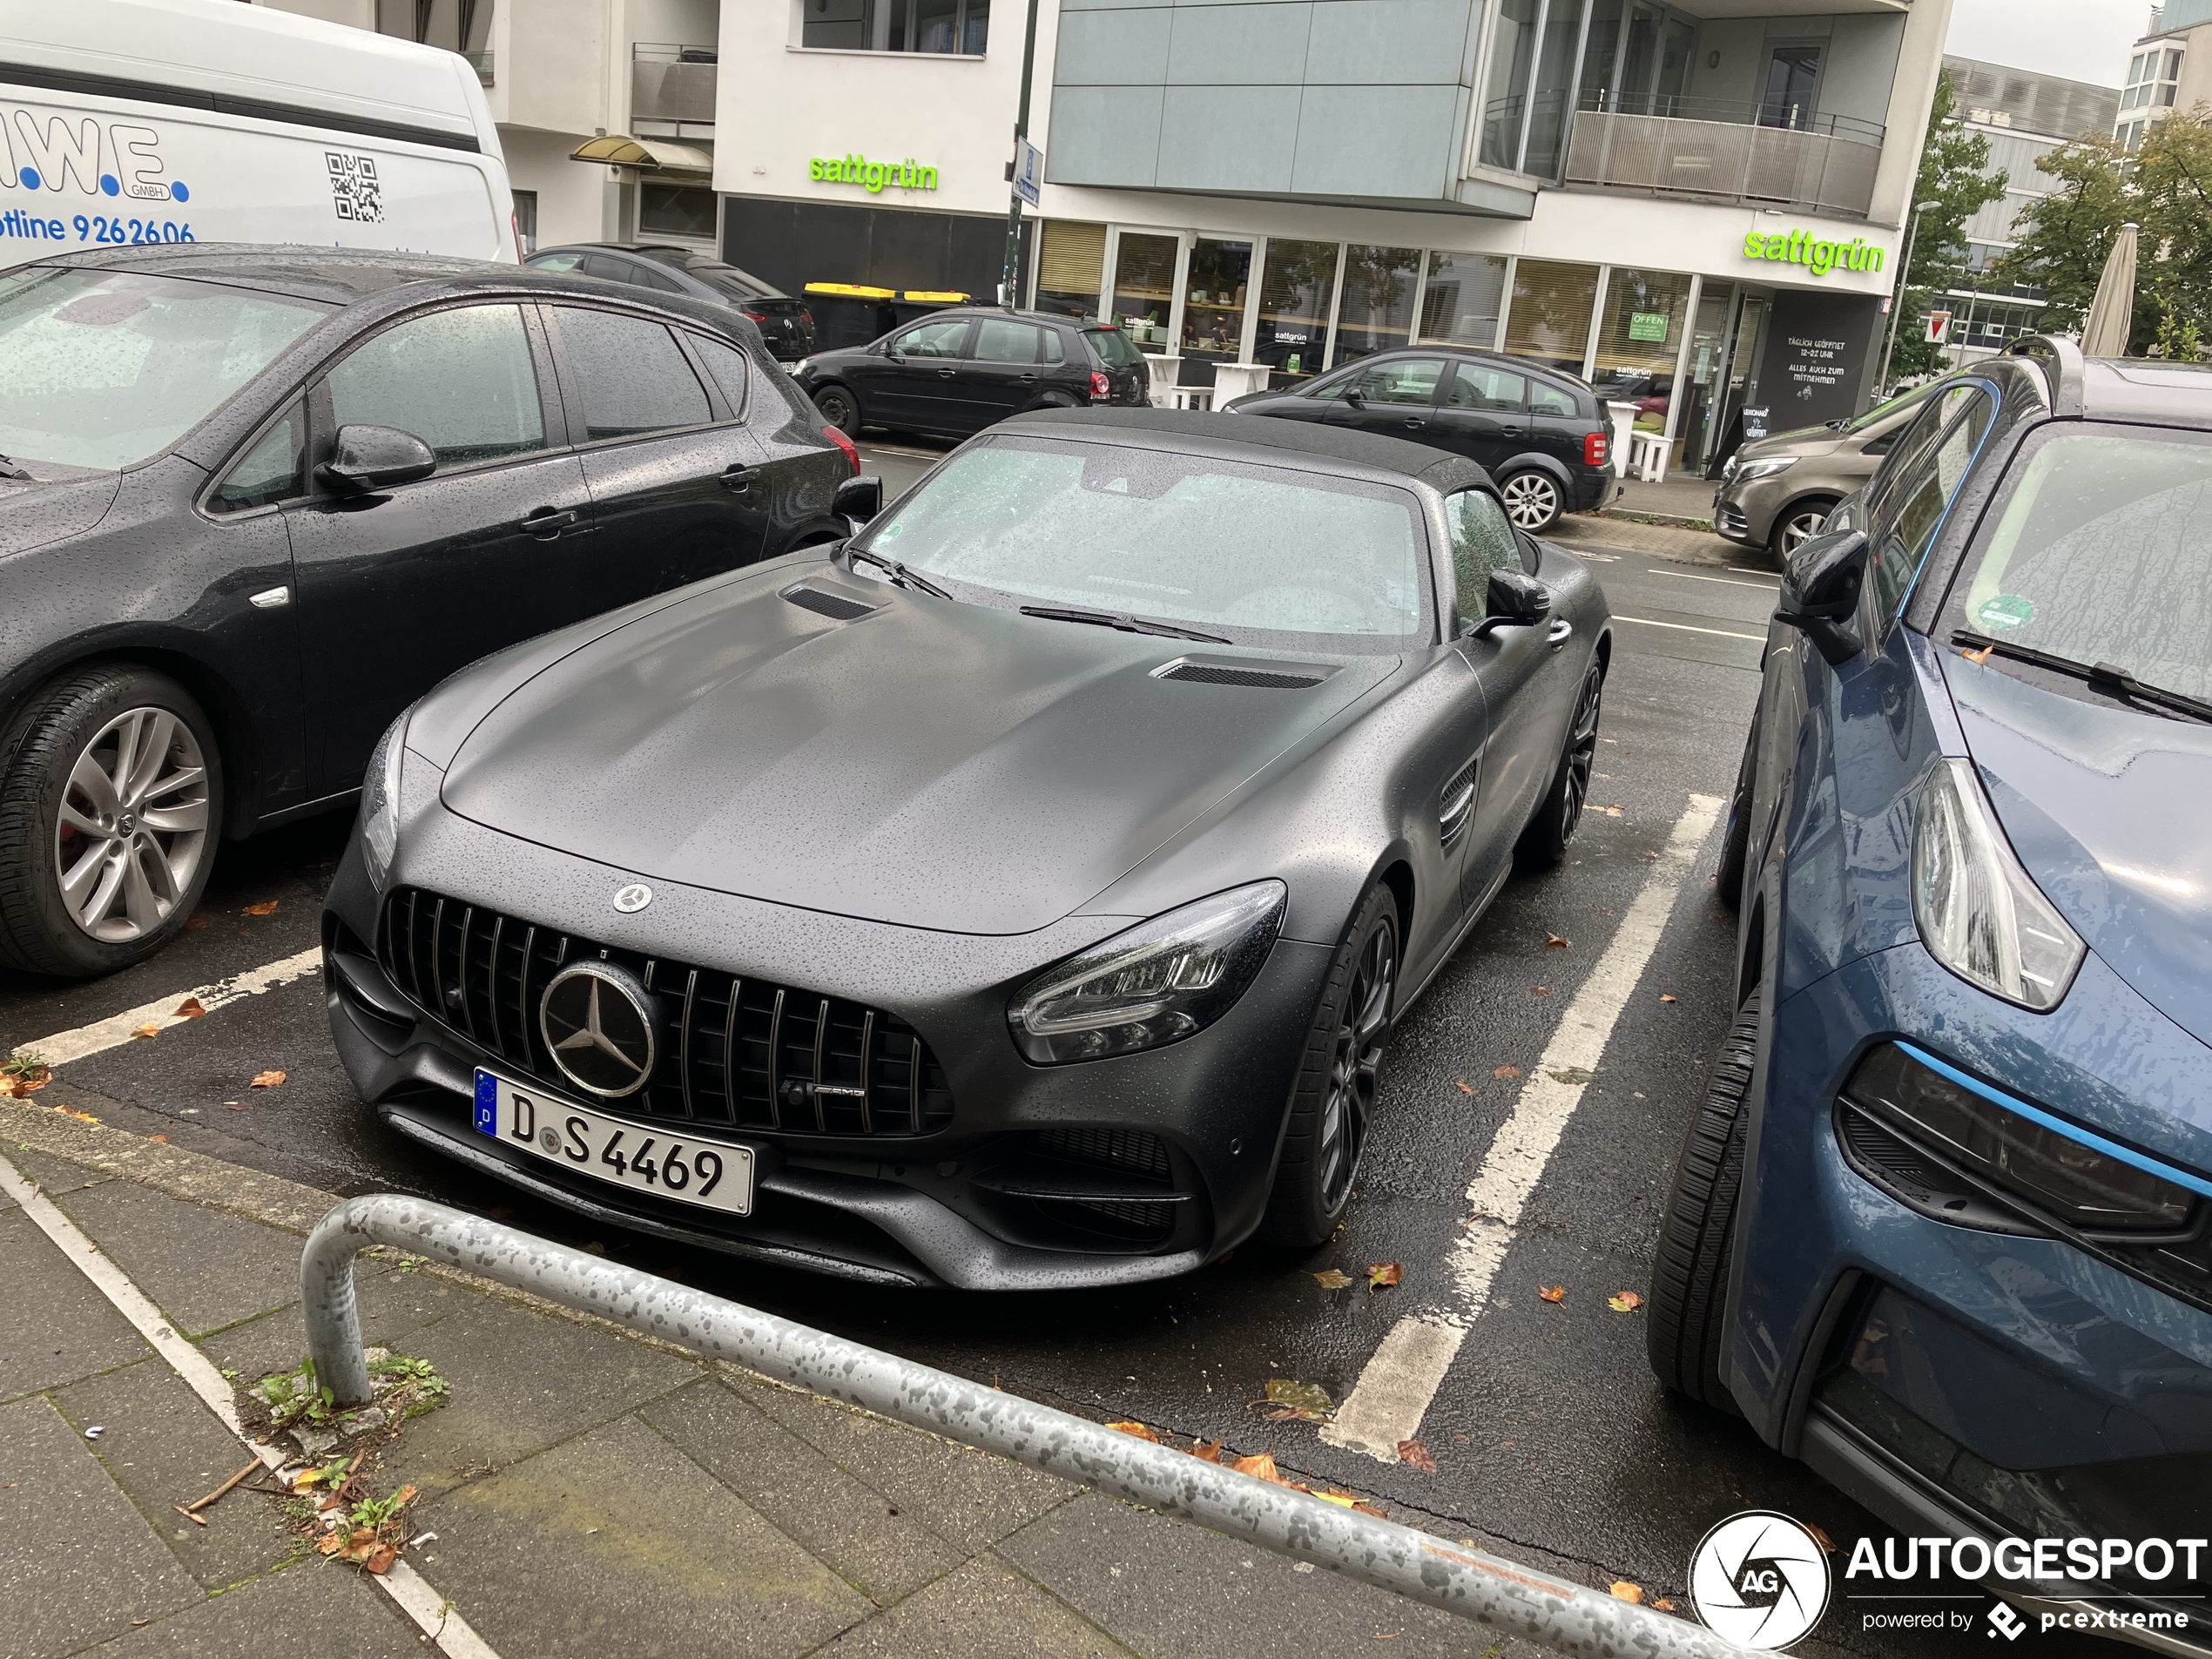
(1774, 491)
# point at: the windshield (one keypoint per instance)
(738, 284)
(2103, 554)
(103, 369)
(1264, 555)
(1113, 347)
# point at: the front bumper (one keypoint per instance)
(956, 1205)
(1954, 1380)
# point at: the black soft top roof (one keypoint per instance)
(1367, 452)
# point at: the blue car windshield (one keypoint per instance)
(1257, 554)
(2103, 554)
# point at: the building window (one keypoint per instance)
(1465, 297)
(1070, 260)
(1549, 58)
(526, 219)
(2153, 81)
(1376, 313)
(1639, 339)
(1550, 319)
(1294, 293)
(685, 211)
(956, 27)
(1144, 287)
(463, 26)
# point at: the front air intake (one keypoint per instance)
(1277, 677)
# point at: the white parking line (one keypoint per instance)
(1690, 576)
(120, 1028)
(1394, 1390)
(431, 1612)
(1684, 628)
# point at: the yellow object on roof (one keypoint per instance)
(939, 299)
(852, 291)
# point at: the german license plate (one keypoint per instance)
(714, 1174)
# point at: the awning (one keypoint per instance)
(619, 150)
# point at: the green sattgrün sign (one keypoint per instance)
(871, 176)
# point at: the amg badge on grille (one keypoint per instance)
(633, 898)
(598, 1022)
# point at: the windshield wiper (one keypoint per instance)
(1114, 619)
(899, 573)
(2105, 675)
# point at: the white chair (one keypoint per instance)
(1647, 457)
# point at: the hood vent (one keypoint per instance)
(837, 607)
(1231, 670)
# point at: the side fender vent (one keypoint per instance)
(837, 607)
(1231, 670)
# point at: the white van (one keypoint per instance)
(127, 121)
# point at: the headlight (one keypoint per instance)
(1157, 983)
(799, 369)
(2062, 1170)
(380, 801)
(1763, 468)
(1977, 913)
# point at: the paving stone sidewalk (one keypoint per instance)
(591, 1493)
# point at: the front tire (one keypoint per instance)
(1334, 1101)
(111, 808)
(1533, 500)
(1687, 1333)
(1543, 844)
(1736, 841)
(1799, 525)
(839, 408)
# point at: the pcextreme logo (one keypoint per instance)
(94, 157)
(1760, 1580)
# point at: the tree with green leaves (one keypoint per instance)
(1955, 175)
(2061, 241)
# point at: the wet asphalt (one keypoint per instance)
(1553, 1442)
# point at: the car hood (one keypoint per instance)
(931, 763)
(63, 502)
(1800, 441)
(2107, 809)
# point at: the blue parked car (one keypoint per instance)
(1944, 1226)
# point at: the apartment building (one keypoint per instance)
(2169, 69)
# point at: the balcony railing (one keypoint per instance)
(674, 85)
(1722, 152)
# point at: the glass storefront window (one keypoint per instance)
(1070, 260)
(1550, 319)
(1696, 432)
(1638, 340)
(1296, 286)
(1465, 297)
(1145, 288)
(1376, 313)
(1213, 310)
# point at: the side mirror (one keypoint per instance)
(1820, 592)
(1514, 599)
(1355, 397)
(369, 458)
(858, 500)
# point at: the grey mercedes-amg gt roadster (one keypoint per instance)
(1017, 894)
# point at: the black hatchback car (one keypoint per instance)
(254, 502)
(957, 371)
(786, 326)
(1539, 432)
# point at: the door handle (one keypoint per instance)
(1028, 379)
(1414, 423)
(547, 523)
(1510, 431)
(944, 374)
(736, 478)
(1559, 632)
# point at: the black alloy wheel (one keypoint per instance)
(1736, 839)
(1335, 1100)
(1543, 844)
(1797, 526)
(1533, 499)
(1687, 1331)
(841, 408)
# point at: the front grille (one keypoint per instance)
(1113, 1149)
(737, 1052)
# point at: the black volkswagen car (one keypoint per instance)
(254, 502)
(957, 371)
(1539, 432)
(786, 326)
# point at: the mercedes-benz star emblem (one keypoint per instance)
(598, 1022)
(633, 898)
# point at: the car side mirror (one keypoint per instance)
(1820, 592)
(1513, 599)
(367, 458)
(1355, 397)
(858, 500)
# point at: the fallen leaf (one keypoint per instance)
(1366, 1509)
(1260, 1466)
(1624, 1591)
(265, 1080)
(1614, 811)
(1573, 1076)
(1553, 941)
(330, 1544)
(1134, 1429)
(305, 1481)
(1414, 1455)
(1599, 910)
(1506, 1071)
(379, 1559)
(1663, 997)
(1540, 990)
(1827, 1544)
(196, 921)
(1552, 1292)
(1382, 1275)
(1336, 1495)
(1307, 1400)
(190, 1009)
(1978, 658)
(147, 1031)
(266, 908)
(1624, 1301)
(1210, 1452)
(1464, 1088)
(1332, 1278)
(163, 1139)
(1646, 854)
(1663, 1605)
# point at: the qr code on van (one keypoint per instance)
(354, 190)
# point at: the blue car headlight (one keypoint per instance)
(1157, 983)
(1978, 911)
(380, 801)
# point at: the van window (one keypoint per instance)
(1907, 528)
(273, 469)
(632, 377)
(461, 381)
(1000, 341)
(1480, 386)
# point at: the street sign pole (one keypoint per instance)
(1009, 291)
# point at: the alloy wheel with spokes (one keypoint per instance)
(1532, 501)
(1543, 844)
(133, 827)
(1799, 526)
(1355, 1064)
